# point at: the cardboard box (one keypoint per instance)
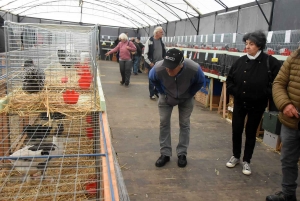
(271, 122)
(272, 140)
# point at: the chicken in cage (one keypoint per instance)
(56, 69)
(55, 145)
(34, 77)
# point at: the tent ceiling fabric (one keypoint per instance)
(120, 13)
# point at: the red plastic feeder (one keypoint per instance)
(89, 132)
(85, 72)
(89, 119)
(70, 96)
(86, 76)
(84, 84)
(64, 79)
(271, 52)
(91, 188)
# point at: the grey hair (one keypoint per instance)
(257, 37)
(156, 30)
(123, 36)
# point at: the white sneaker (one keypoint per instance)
(246, 168)
(232, 162)
(152, 97)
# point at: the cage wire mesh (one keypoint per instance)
(51, 65)
(2, 75)
(53, 139)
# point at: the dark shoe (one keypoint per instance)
(280, 196)
(126, 85)
(182, 161)
(162, 160)
(121, 82)
(136, 73)
(140, 71)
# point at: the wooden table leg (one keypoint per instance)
(224, 100)
(211, 85)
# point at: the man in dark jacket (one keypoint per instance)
(141, 46)
(154, 51)
(177, 81)
(136, 57)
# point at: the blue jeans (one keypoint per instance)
(136, 64)
(290, 153)
(185, 108)
(152, 89)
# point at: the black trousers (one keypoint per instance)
(125, 70)
(238, 121)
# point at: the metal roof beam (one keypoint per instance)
(169, 10)
(222, 4)
(140, 12)
(190, 5)
(192, 23)
(155, 11)
(177, 8)
(262, 12)
(128, 9)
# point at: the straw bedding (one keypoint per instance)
(65, 178)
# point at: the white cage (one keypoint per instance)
(55, 140)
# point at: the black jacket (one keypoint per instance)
(248, 80)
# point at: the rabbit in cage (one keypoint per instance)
(27, 159)
(34, 78)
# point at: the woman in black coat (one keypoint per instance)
(250, 84)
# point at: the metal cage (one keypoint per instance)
(54, 146)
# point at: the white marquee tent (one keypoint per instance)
(121, 13)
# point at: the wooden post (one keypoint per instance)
(258, 131)
(211, 85)
(210, 93)
(222, 103)
(114, 57)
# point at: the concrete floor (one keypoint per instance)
(134, 123)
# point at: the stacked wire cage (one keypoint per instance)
(53, 142)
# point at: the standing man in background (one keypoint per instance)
(137, 40)
(136, 57)
(154, 51)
